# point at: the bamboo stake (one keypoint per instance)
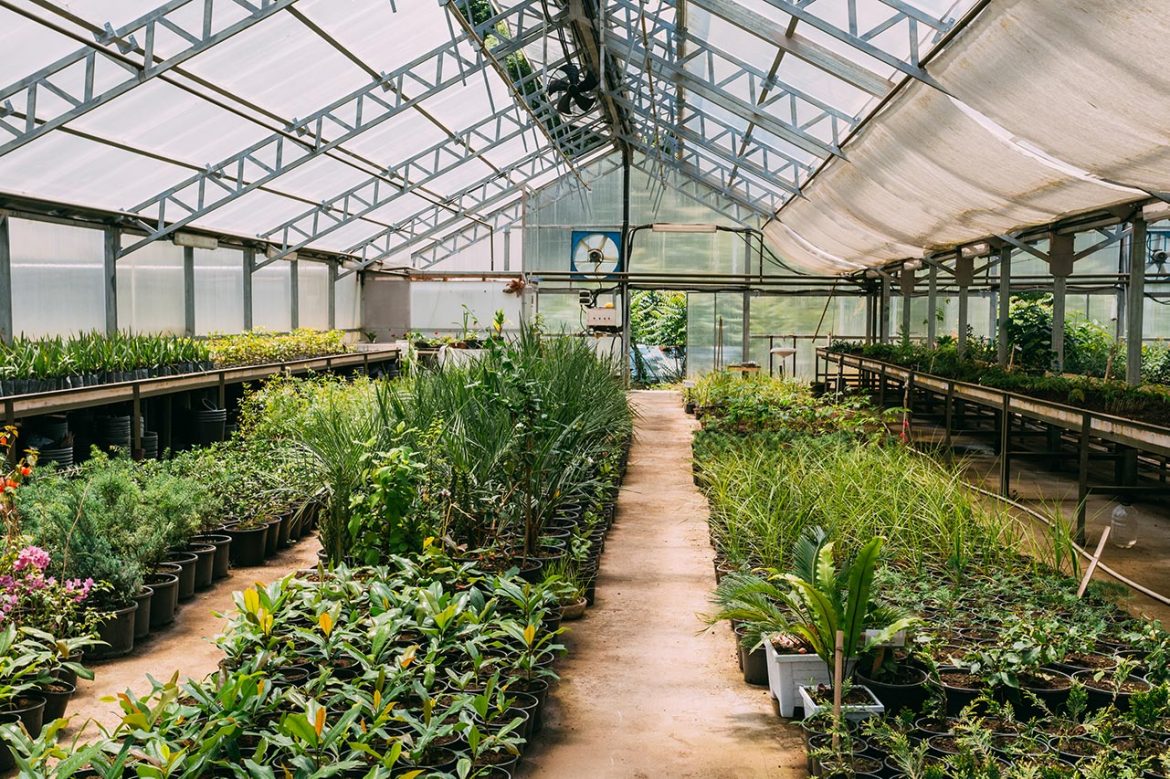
(1093, 561)
(838, 672)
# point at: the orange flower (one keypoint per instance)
(25, 470)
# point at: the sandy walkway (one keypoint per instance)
(648, 691)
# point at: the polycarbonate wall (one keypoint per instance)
(58, 286)
(450, 307)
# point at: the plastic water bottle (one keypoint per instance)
(1122, 528)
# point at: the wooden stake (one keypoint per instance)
(1093, 562)
(838, 683)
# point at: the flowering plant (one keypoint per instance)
(32, 599)
(12, 479)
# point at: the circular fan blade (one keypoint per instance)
(584, 102)
(589, 82)
(565, 104)
(570, 70)
(559, 85)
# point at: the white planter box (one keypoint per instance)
(788, 672)
(853, 712)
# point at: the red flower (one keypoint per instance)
(25, 470)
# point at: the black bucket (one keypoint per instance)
(210, 424)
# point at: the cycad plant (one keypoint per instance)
(826, 599)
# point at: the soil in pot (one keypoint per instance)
(56, 695)
(222, 561)
(1105, 691)
(118, 632)
(903, 688)
(187, 562)
(29, 710)
(142, 615)
(959, 687)
(249, 545)
(165, 599)
(204, 564)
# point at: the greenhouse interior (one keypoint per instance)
(584, 389)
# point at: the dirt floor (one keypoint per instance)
(185, 647)
(1054, 494)
(649, 690)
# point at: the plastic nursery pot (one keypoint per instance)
(959, 688)
(272, 540)
(204, 564)
(187, 562)
(221, 566)
(65, 674)
(248, 545)
(142, 615)
(284, 529)
(1050, 686)
(907, 691)
(118, 632)
(574, 609)
(165, 599)
(56, 694)
(753, 661)
(1102, 693)
(28, 710)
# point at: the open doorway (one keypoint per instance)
(658, 337)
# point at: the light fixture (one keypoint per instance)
(683, 228)
(273, 253)
(195, 241)
(1156, 211)
(981, 249)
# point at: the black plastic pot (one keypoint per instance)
(209, 425)
(222, 561)
(29, 710)
(142, 615)
(897, 697)
(187, 562)
(284, 529)
(204, 563)
(248, 546)
(272, 540)
(62, 456)
(1053, 697)
(164, 600)
(753, 662)
(7, 718)
(956, 696)
(118, 632)
(56, 697)
(1099, 699)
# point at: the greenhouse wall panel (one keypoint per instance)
(272, 296)
(313, 294)
(150, 289)
(219, 291)
(57, 279)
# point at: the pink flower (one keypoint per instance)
(34, 556)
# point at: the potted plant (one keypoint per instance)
(829, 604)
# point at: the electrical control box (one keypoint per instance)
(605, 319)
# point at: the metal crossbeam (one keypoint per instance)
(799, 46)
(467, 236)
(483, 194)
(411, 175)
(862, 40)
(333, 125)
(635, 56)
(711, 146)
(91, 77)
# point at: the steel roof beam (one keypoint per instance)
(77, 80)
(800, 47)
(859, 40)
(414, 172)
(715, 94)
(484, 193)
(344, 119)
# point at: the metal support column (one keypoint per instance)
(1060, 264)
(906, 279)
(884, 312)
(1003, 351)
(294, 294)
(1005, 460)
(249, 267)
(931, 306)
(189, 290)
(1083, 476)
(112, 245)
(1135, 303)
(332, 295)
(5, 280)
(868, 318)
(747, 327)
(964, 275)
(507, 249)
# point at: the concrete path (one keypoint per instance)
(648, 690)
